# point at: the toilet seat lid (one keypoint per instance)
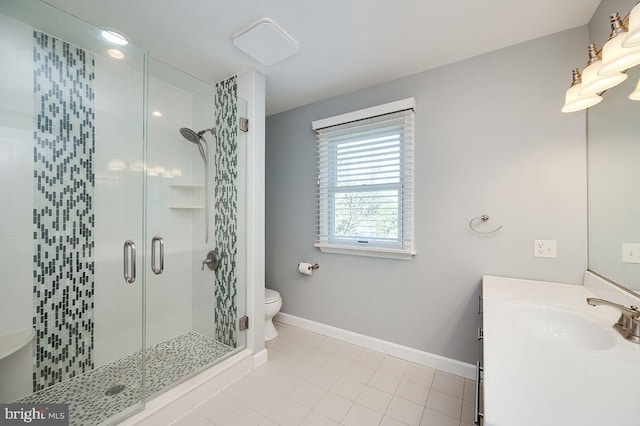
(270, 295)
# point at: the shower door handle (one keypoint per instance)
(129, 261)
(159, 241)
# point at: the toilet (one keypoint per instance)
(272, 305)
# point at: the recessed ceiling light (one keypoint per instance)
(114, 37)
(156, 114)
(115, 53)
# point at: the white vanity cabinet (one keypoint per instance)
(478, 413)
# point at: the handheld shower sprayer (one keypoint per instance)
(198, 139)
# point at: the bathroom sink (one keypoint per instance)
(563, 326)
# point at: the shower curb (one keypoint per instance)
(181, 400)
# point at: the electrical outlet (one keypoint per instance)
(545, 248)
(630, 253)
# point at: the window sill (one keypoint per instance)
(366, 251)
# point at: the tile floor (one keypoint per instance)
(315, 380)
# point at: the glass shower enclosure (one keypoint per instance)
(122, 246)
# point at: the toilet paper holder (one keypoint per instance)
(311, 267)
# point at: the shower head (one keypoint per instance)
(197, 139)
(190, 135)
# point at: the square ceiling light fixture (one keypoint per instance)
(266, 42)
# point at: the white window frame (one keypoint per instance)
(403, 247)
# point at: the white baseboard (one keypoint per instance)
(410, 354)
(260, 359)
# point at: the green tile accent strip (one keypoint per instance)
(63, 218)
(226, 207)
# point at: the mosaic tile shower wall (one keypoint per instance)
(226, 207)
(63, 218)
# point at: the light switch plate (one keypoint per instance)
(631, 252)
(545, 248)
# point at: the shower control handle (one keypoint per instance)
(129, 262)
(212, 261)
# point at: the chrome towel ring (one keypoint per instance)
(483, 218)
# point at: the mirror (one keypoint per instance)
(613, 146)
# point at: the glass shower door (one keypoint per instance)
(195, 211)
(72, 174)
(179, 315)
(120, 252)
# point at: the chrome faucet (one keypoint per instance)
(629, 322)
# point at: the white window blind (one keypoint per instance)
(365, 183)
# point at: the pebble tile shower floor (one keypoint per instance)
(313, 380)
(167, 362)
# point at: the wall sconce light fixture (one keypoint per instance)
(607, 68)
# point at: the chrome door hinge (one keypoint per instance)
(243, 323)
(244, 124)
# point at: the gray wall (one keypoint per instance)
(490, 138)
(599, 26)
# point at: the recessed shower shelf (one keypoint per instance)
(13, 342)
(186, 196)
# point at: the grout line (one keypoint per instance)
(289, 343)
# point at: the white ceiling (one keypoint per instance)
(345, 45)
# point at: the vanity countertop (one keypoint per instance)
(533, 381)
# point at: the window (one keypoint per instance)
(365, 182)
